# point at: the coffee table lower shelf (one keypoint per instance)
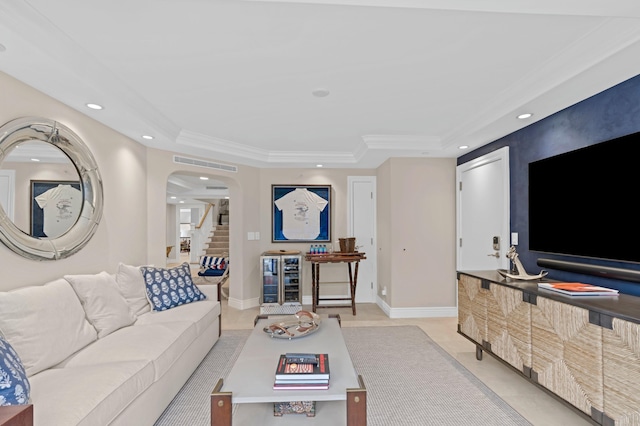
(225, 413)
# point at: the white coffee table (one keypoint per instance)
(246, 396)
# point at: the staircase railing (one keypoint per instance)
(200, 235)
(204, 216)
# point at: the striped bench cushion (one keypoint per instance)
(211, 262)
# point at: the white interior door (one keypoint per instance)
(483, 212)
(362, 226)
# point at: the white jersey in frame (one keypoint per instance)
(301, 210)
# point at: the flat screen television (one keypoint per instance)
(585, 202)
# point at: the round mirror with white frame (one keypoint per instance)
(65, 201)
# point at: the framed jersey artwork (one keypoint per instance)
(301, 213)
(55, 207)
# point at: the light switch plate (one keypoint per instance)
(514, 238)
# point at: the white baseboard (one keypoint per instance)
(244, 304)
(417, 312)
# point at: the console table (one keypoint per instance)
(583, 349)
(338, 257)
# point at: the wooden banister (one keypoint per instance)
(206, 212)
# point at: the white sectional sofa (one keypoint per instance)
(95, 353)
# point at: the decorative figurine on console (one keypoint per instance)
(519, 273)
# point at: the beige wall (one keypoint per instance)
(416, 231)
(415, 213)
(243, 194)
(337, 178)
(121, 235)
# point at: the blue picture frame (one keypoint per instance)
(310, 214)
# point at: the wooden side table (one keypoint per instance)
(16, 415)
(348, 258)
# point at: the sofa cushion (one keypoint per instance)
(88, 395)
(132, 288)
(14, 384)
(159, 344)
(44, 324)
(105, 308)
(168, 288)
(202, 314)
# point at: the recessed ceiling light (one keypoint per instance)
(35, 159)
(204, 178)
(524, 116)
(147, 137)
(463, 147)
(320, 92)
(94, 106)
(173, 198)
(226, 198)
(181, 201)
(318, 165)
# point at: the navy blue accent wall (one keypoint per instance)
(607, 115)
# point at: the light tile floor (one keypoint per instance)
(533, 403)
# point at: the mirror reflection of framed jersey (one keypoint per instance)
(301, 213)
(55, 207)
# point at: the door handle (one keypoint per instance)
(496, 255)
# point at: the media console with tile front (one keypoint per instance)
(585, 350)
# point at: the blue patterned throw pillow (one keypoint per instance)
(168, 288)
(14, 385)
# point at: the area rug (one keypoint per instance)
(410, 380)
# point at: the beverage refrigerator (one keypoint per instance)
(281, 283)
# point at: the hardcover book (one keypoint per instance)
(300, 386)
(301, 371)
(299, 381)
(578, 289)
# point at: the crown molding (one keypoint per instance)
(367, 154)
(619, 8)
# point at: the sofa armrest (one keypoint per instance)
(212, 291)
(16, 415)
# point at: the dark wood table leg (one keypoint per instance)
(314, 286)
(353, 282)
(357, 405)
(220, 406)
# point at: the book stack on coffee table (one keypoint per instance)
(302, 371)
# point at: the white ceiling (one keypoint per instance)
(231, 80)
(190, 189)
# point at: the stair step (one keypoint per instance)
(217, 253)
(218, 243)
